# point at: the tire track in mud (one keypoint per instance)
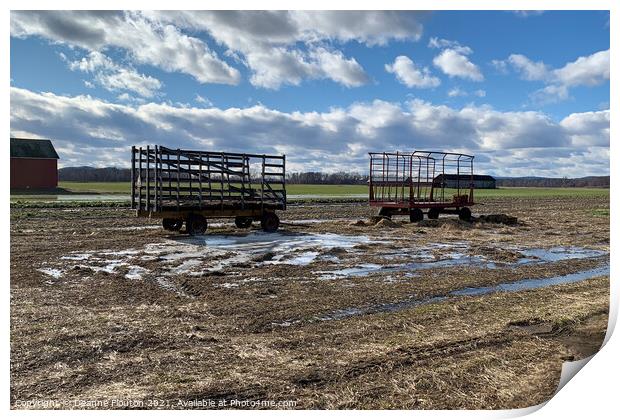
(406, 356)
(401, 357)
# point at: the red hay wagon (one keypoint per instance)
(406, 183)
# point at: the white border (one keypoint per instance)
(592, 393)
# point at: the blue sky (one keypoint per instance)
(323, 87)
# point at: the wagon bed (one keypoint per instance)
(190, 186)
(406, 183)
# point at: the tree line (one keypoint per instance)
(89, 174)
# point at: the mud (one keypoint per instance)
(336, 310)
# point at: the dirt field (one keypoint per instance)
(333, 311)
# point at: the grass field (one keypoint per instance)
(306, 189)
(122, 189)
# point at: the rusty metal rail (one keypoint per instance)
(400, 182)
(176, 184)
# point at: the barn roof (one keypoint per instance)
(465, 177)
(33, 148)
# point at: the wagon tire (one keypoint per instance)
(196, 224)
(270, 222)
(173, 225)
(465, 214)
(415, 215)
(243, 222)
(385, 212)
(433, 213)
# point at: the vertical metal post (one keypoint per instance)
(133, 177)
(190, 169)
(140, 181)
(396, 179)
(168, 170)
(156, 179)
(443, 178)
(222, 182)
(370, 192)
(200, 179)
(471, 183)
(243, 181)
(411, 193)
(178, 179)
(209, 174)
(262, 186)
(419, 175)
(148, 178)
(284, 180)
(458, 177)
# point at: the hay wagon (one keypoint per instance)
(190, 186)
(408, 183)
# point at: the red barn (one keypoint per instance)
(34, 164)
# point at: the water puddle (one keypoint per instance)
(275, 248)
(521, 285)
(423, 259)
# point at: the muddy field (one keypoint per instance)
(333, 311)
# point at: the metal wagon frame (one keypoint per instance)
(407, 182)
(190, 186)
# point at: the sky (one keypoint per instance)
(526, 92)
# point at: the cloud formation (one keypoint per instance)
(278, 47)
(409, 74)
(591, 70)
(114, 77)
(453, 60)
(146, 41)
(89, 131)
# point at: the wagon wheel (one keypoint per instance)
(465, 214)
(270, 222)
(243, 222)
(434, 213)
(196, 224)
(385, 212)
(415, 215)
(174, 225)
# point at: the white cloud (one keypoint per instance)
(500, 65)
(456, 92)
(203, 100)
(528, 13)
(410, 75)
(530, 70)
(91, 131)
(456, 64)
(114, 77)
(146, 41)
(268, 42)
(590, 70)
(585, 71)
(278, 66)
(448, 44)
(302, 43)
(588, 129)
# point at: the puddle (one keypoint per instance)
(521, 285)
(556, 254)
(529, 284)
(299, 249)
(77, 257)
(136, 272)
(425, 259)
(53, 272)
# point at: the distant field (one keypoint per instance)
(327, 190)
